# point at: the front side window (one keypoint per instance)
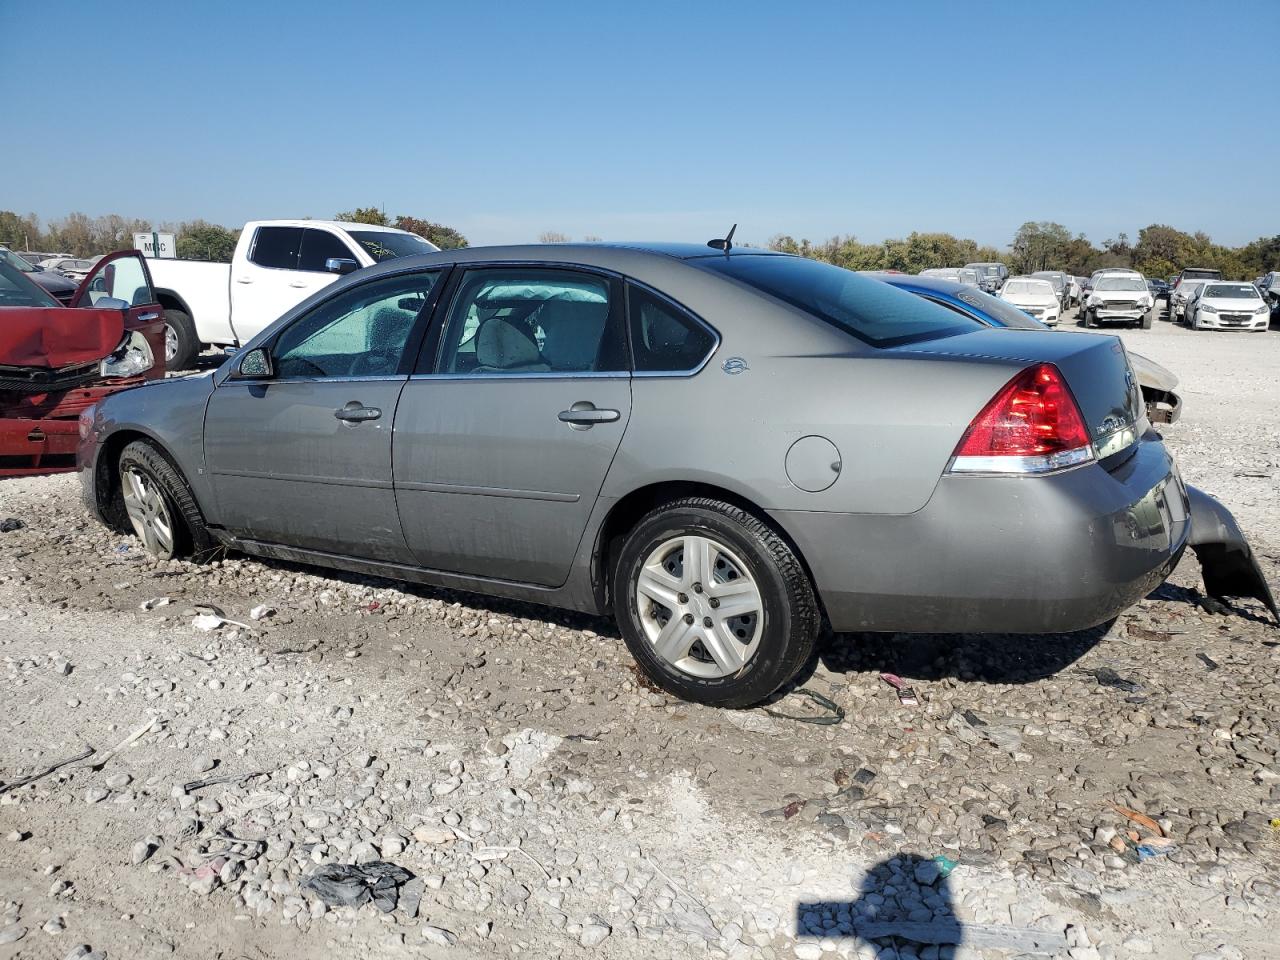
(361, 332)
(664, 339)
(277, 247)
(122, 279)
(511, 321)
(319, 246)
(865, 308)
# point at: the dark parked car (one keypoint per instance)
(724, 449)
(59, 286)
(1159, 288)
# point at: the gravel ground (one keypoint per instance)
(545, 801)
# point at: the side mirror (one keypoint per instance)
(341, 265)
(255, 365)
(110, 303)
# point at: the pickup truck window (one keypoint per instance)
(318, 246)
(383, 245)
(276, 247)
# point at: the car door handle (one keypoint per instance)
(357, 412)
(244, 280)
(585, 413)
(144, 317)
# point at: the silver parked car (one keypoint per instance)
(722, 448)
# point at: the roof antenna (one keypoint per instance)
(726, 244)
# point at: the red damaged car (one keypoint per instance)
(57, 361)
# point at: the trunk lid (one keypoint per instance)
(1095, 366)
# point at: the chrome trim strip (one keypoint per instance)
(507, 492)
(398, 378)
(1022, 466)
(490, 377)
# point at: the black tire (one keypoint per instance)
(790, 610)
(190, 535)
(188, 346)
(1146, 320)
(1088, 319)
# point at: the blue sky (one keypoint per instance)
(650, 120)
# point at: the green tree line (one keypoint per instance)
(1160, 251)
(80, 235)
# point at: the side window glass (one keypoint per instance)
(318, 246)
(361, 332)
(124, 279)
(663, 337)
(276, 247)
(532, 321)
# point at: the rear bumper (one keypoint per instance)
(1003, 554)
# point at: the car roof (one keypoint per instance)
(907, 281)
(331, 224)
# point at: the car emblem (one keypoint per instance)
(734, 366)
(1110, 424)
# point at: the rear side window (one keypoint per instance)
(318, 246)
(665, 339)
(277, 247)
(872, 311)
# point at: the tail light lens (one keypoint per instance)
(1032, 426)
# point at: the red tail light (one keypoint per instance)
(1033, 425)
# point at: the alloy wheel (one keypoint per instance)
(148, 512)
(170, 343)
(700, 607)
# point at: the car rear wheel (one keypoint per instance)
(181, 345)
(713, 604)
(159, 506)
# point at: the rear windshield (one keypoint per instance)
(1121, 283)
(1234, 291)
(384, 245)
(987, 269)
(1194, 274)
(17, 291)
(872, 311)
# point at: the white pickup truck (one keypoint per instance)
(277, 264)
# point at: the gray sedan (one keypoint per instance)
(723, 448)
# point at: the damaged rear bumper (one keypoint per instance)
(1226, 560)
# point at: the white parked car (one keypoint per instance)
(276, 265)
(70, 267)
(1119, 298)
(1220, 305)
(1035, 297)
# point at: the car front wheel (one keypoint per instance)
(713, 604)
(159, 506)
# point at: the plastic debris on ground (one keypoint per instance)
(1109, 678)
(906, 695)
(10, 524)
(154, 602)
(354, 885)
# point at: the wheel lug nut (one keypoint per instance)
(714, 603)
(706, 622)
(688, 618)
(683, 598)
(697, 588)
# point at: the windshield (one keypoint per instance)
(17, 291)
(1194, 274)
(383, 245)
(872, 311)
(11, 258)
(1230, 291)
(996, 311)
(1032, 287)
(1128, 284)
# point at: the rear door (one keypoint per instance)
(303, 456)
(503, 444)
(260, 284)
(124, 276)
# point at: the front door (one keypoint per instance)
(502, 447)
(123, 277)
(303, 456)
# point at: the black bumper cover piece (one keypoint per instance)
(1226, 560)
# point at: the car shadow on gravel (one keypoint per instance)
(976, 658)
(903, 903)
